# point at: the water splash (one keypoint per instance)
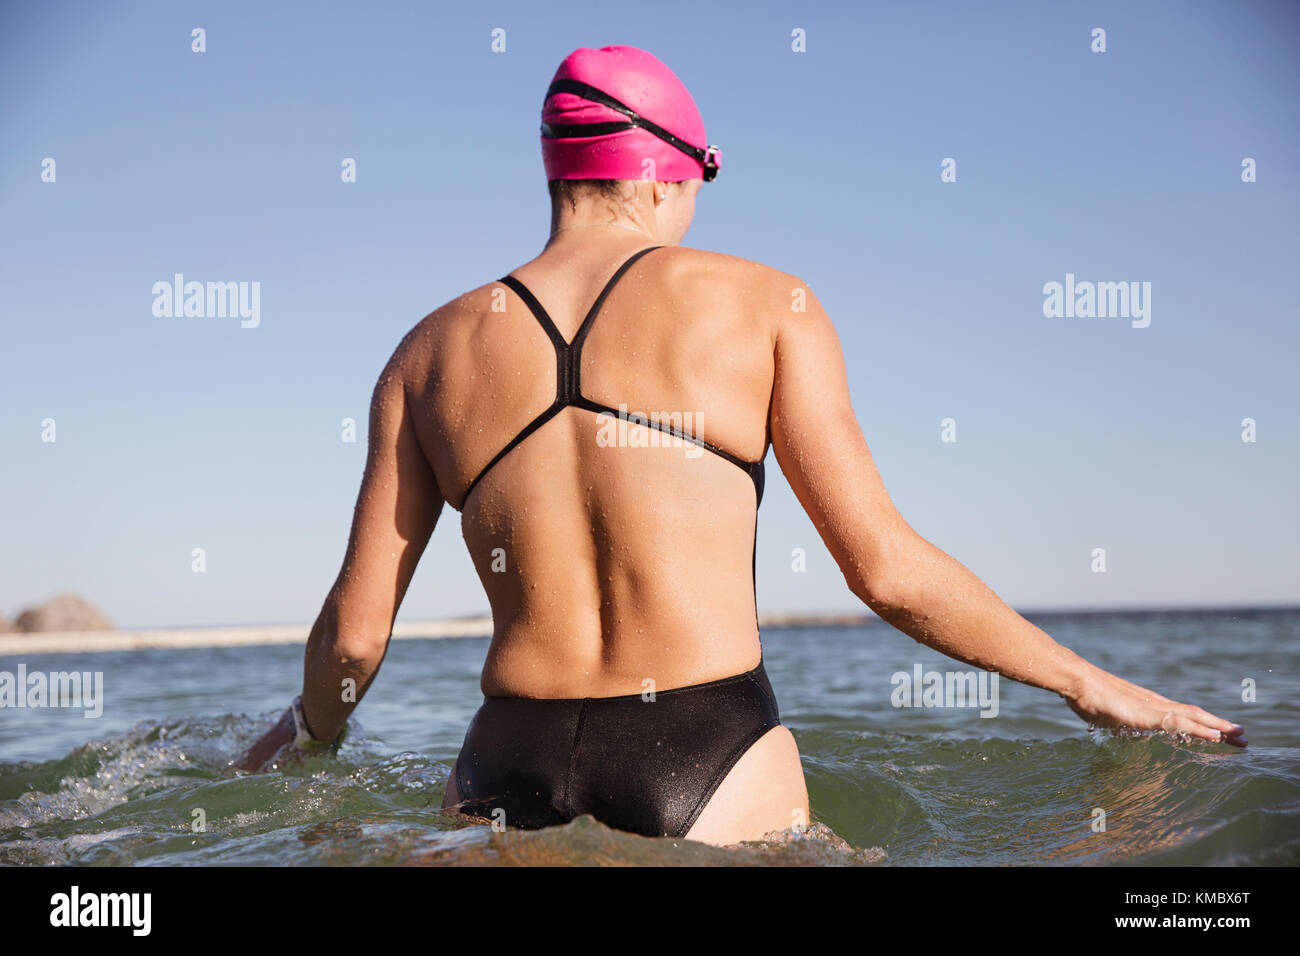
(166, 793)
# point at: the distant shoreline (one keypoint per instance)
(82, 642)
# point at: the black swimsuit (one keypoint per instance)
(647, 763)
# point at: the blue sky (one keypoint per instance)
(1072, 434)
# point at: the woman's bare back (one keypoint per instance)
(612, 554)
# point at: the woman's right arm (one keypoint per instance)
(905, 579)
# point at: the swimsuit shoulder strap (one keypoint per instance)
(581, 335)
(543, 317)
(548, 324)
(568, 358)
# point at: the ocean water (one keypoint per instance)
(889, 785)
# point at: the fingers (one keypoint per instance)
(1218, 723)
(1196, 722)
(1220, 730)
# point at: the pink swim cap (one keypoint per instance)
(610, 110)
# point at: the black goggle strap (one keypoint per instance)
(708, 157)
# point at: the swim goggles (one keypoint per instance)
(709, 157)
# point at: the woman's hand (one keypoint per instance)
(1112, 702)
(270, 744)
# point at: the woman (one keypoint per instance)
(599, 418)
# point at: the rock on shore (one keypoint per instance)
(67, 612)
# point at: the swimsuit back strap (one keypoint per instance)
(568, 388)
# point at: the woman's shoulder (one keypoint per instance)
(721, 266)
